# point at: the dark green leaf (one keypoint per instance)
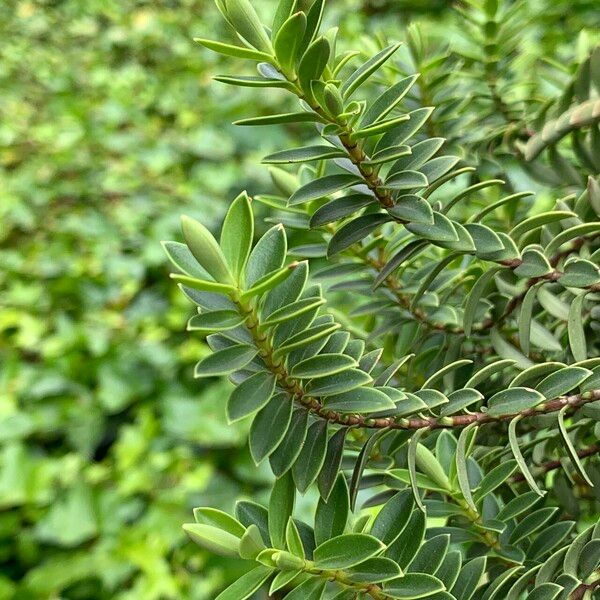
(311, 457)
(270, 426)
(344, 551)
(225, 361)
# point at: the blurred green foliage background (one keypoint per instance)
(110, 129)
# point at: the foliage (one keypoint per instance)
(430, 363)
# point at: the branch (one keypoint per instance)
(294, 387)
(556, 464)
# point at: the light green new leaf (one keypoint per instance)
(246, 585)
(205, 249)
(237, 234)
(246, 22)
(213, 538)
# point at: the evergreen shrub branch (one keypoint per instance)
(418, 300)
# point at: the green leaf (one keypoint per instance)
(459, 400)
(205, 286)
(358, 77)
(250, 396)
(525, 317)
(246, 585)
(337, 383)
(230, 50)
(379, 128)
(311, 589)
(517, 506)
(575, 329)
(484, 238)
(323, 186)
(284, 579)
(405, 130)
(514, 446)
(287, 291)
(287, 41)
(269, 427)
(562, 381)
(571, 451)
(513, 400)
(354, 231)
(304, 154)
(533, 264)
(251, 513)
(532, 223)
(296, 117)
(430, 555)
(311, 457)
(406, 180)
(546, 591)
(405, 547)
(251, 544)
(495, 478)
(437, 167)
(205, 249)
(218, 320)
(393, 517)
(281, 507)
(293, 310)
(338, 209)
(387, 101)
(183, 259)
(466, 438)
(268, 255)
(293, 540)
(283, 11)
(473, 299)
(268, 282)
(237, 234)
(246, 22)
(322, 365)
(313, 62)
(225, 361)
(218, 518)
(421, 152)
(412, 467)
(287, 452)
(388, 154)
(374, 570)
(532, 523)
(450, 569)
(429, 464)
(580, 273)
(304, 338)
(360, 400)
(413, 585)
(213, 539)
(344, 551)
(254, 82)
(332, 514)
(333, 462)
(441, 230)
(412, 208)
(469, 578)
(569, 234)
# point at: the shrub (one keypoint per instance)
(434, 372)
